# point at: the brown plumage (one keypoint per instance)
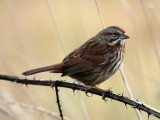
(94, 61)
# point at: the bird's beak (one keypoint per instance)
(125, 36)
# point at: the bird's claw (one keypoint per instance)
(104, 92)
(86, 92)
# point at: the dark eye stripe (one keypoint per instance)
(116, 34)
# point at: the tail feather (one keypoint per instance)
(54, 68)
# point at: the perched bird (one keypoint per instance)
(93, 62)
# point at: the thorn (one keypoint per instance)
(125, 105)
(74, 91)
(26, 85)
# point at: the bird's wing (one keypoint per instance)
(88, 56)
(79, 63)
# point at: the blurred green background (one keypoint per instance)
(36, 33)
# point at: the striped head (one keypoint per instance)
(113, 35)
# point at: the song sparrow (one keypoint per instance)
(94, 61)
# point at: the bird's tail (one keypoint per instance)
(57, 68)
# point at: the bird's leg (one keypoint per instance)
(103, 91)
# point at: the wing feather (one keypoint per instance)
(88, 56)
(80, 64)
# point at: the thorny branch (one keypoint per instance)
(134, 103)
(58, 101)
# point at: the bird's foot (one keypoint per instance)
(86, 90)
(103, 91)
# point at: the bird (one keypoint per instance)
(94, 61)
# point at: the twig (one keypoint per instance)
(118, 97)
(58, 101)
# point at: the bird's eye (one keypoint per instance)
(115, 34)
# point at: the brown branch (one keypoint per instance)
(118, 97)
